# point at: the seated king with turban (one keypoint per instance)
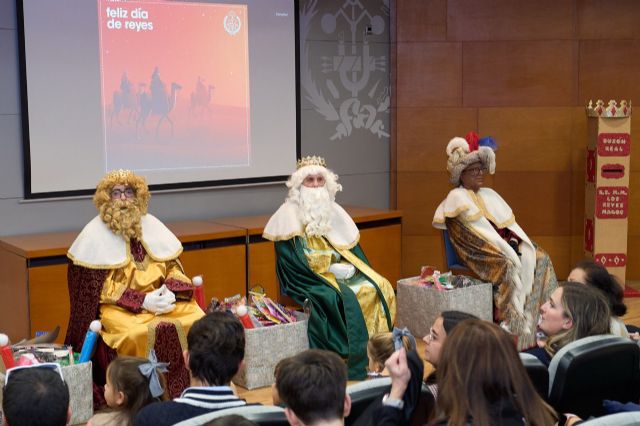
(319, 259)
(486, 237)
(124, 270)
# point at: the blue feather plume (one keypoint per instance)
(488, 141)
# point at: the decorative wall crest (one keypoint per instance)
(352, 86)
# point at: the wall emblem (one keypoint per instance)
(351, 88)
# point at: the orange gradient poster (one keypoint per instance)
(175, 84)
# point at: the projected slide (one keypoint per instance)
(175, 84)
(187, 93)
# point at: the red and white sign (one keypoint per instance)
(612, 202)
(614, 144)
(611, 259)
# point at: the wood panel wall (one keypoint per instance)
(521, 72)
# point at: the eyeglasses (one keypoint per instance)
(475, 171)
(431, 336)
(53, 366)
(128, 193)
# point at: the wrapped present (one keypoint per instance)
(266, 346)
(78, 379)
(419, 305)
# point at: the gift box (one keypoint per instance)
(78, 380)
(266, 346)
(420, 305)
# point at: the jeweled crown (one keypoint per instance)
(311, 160)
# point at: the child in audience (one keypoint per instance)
(128, 389)
(442, 326)
(595, 275)
(313, 385)
(572, 312)
(380, 348)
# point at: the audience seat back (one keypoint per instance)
(364, 393)
(589, 370)
(264, 415)
(618, 419)
(537, 372)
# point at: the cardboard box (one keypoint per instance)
(266, 346)
(419, 306)
(79, 381)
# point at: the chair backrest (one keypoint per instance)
(619, 419)
(589, 370)
(264, 415)
(450, 253)
(537, 372)
(364, 393)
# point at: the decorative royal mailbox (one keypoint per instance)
(607, 185)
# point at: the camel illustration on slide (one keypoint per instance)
(157, 102)
(124, 99)
(201, 98)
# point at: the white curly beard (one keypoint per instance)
(316, 210)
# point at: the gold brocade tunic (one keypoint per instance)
(134, 334)
(321, 254)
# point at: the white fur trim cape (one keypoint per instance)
(97, 247)
(286, 224)
(476, 210)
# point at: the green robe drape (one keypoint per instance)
(336, 322)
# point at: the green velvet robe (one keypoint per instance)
(336, 322)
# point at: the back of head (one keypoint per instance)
(479, 372)
(35, 396)
(597, 276)
(125, 376)
(216, 348)
(451, 318)
(381, 346)
(313, 385)
(588, 311)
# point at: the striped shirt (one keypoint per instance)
(193, 402)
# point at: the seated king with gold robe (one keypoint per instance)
(124, 270)
(319, 259)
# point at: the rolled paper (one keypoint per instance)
(243, 315)
(90, 341)
(7, 352)
(198, 292)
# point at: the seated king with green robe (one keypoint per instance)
(319, 260)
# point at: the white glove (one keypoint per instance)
(342, 271)
(160, 301)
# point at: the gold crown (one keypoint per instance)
(612, 110)
(311, 161)
(120, 174)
